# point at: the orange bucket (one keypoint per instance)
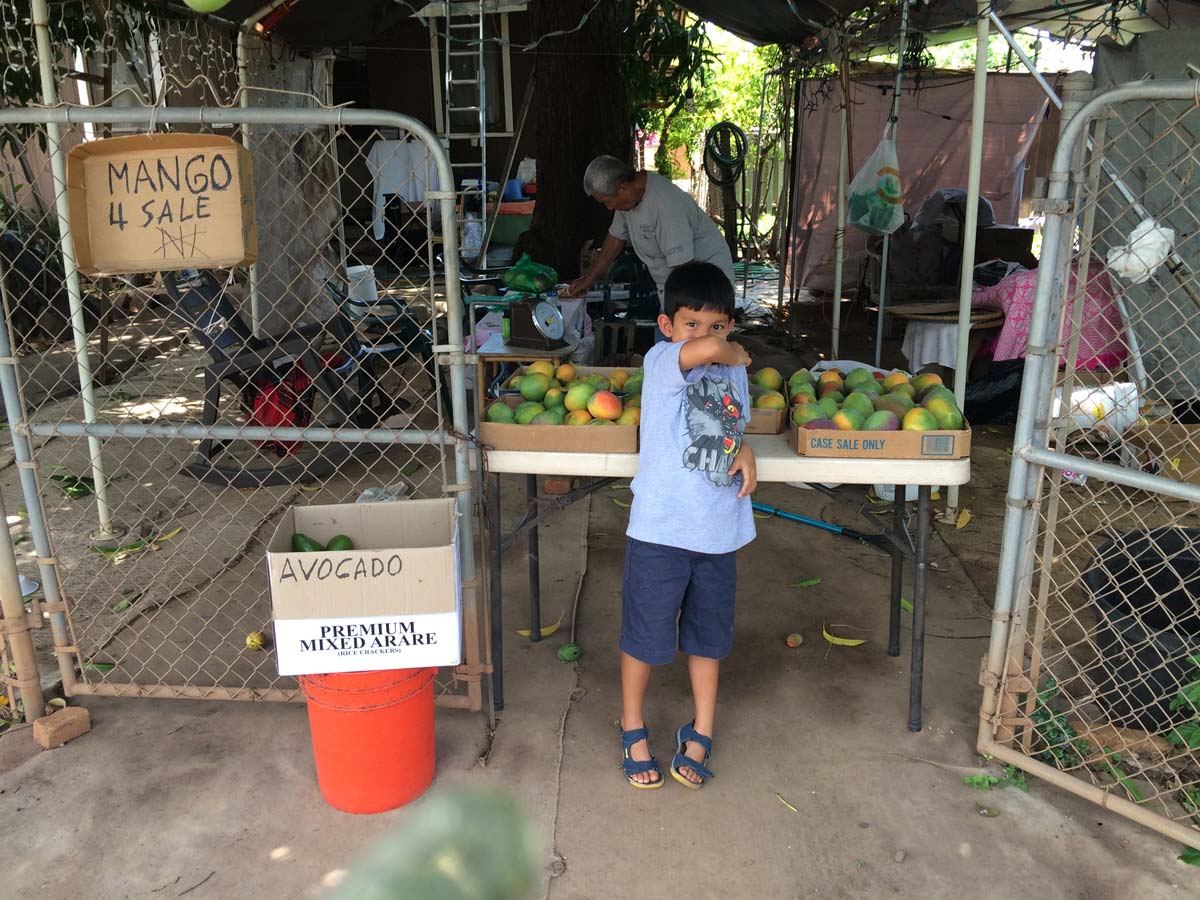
(372, 735)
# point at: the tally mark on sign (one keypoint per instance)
(322, 569)
(181, 244)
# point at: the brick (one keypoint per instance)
(556, 485)
(64, 725)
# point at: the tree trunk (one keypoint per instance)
(579, 112)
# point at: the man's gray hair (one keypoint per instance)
(605, 175)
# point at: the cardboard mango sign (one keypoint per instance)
(393, 602)
(159, 202)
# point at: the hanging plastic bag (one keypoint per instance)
(529, 277)
(876, 202)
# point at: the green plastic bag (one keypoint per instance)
(529, 277)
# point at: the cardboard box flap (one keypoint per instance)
(372, 526)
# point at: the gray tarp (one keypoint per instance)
(1155, 151)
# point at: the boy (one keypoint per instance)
(691, 513)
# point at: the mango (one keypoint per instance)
(527, 411)
(554, 397)
(598, 381)
(604, 405)
(897, 404)
(514, 383)
(634, 384)
(602, 422)
(924, 382)
(918, 419)
(566, 373)
(849, 419)
(833, 376)
(800, 376)
(634, 401)
(768, 378)
(828, 407)
(859, 402)
(858, 376)
(905, 390)
(578, 395)
(534, 386)
(937, 392)
(881, 421)
(806, 413)
(894, 380)
(756, 389)
(871, 388)
(630, 417)
(820, 425)
(770, 400)
(618, 378)
(802, 390)
(545, 418)
(541, 367)
(802, 399)
(578, 417)
(946, 413)
(500, 412)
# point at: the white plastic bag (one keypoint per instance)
(875, 201)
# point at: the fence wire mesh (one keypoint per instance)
(162, 601)
(1104, 648)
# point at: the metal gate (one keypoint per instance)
(161, 425)
(1092, 679)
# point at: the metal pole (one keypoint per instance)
(839, 241)
(243, 67)
(16, 629)
(791, 159)
(58, 166)
(894, 125)
(898, 530)
(916, 675)
(970, 226)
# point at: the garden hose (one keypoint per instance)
(722, 170)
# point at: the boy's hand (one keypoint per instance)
(743, 358)
(745, 464)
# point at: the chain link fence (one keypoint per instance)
(222, 397)
(1093, 674)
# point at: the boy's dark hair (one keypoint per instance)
(699, 286)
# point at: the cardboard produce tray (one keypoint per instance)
(767, 421)
(881, 444)
(557, 438)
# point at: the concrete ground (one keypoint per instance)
(219, 800)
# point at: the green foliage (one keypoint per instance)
(1190, 855)
(981, 781)
(1011, 776)
(1060, 746)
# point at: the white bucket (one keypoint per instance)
(1109, 410)
(362, 284)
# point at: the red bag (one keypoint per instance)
(281, 403)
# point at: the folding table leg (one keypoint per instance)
(924, 519)
(497, 605)
(535, 585)
(898, 530)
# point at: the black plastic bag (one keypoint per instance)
(994, 398)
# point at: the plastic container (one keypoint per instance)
(1110, 410)
(372, 735)
(1143, 586)
(362, 286)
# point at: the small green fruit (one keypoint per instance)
(569, 652)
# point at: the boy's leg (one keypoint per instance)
(703, 673)
(635, 675)
(706, 635)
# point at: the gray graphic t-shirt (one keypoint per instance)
(691, 430)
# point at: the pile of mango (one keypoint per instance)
(860, 400)
(560, 396)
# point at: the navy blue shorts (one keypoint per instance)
(676, 598)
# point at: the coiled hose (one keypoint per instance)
(722, 170)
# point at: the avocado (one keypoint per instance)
(339, 542)
(302, 543)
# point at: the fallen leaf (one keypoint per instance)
(906, 604)
(964, 517)
(621, 503)
(988, 812)
(1191, 856)
(99, 666)
(56, 703)
(840, 641)
(310, 488)
(806, 582)
(785, 803)
(546, 632)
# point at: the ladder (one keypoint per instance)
(466, 92)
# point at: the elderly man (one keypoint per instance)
(664, 224)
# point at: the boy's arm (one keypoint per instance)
(745, 463)
(711, 350)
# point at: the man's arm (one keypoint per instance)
(612, 248)
(711, 350)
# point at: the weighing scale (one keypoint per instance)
(536, 324)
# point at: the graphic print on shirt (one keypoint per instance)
(713, 413)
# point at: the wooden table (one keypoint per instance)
(776, 461)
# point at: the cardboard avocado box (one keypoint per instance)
(394, 602)
(158, 202)
(557, 438)
(882, 444)
(766, 421)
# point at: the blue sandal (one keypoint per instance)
(636, 767)
(679, 761)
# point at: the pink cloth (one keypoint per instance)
(1100, 344)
